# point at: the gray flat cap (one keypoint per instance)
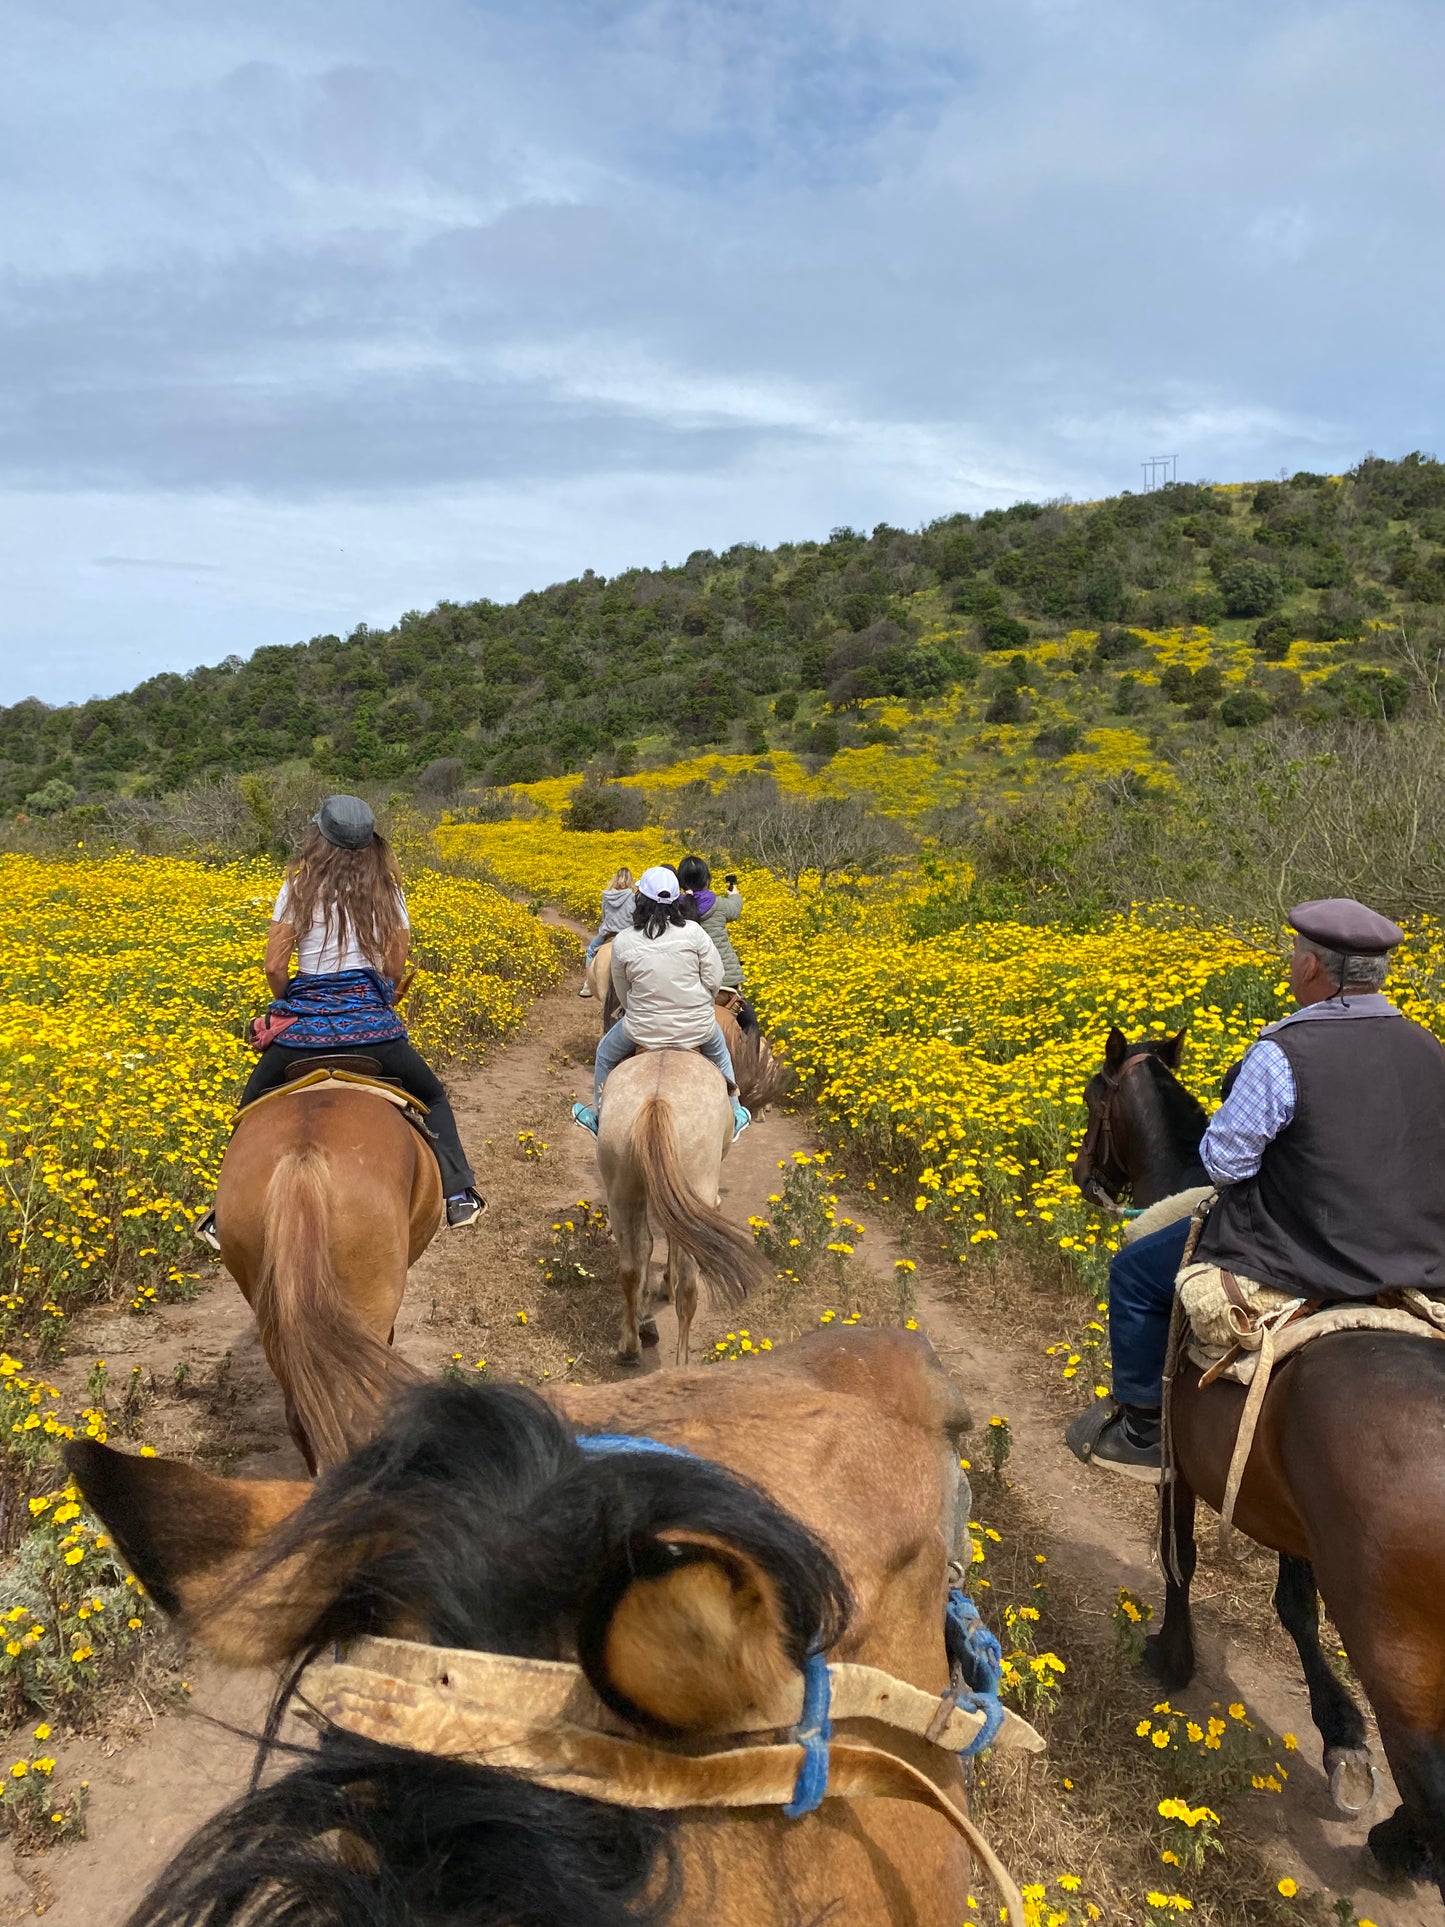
(1342, 924)
(347, 821)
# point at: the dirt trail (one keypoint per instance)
(153, 1786)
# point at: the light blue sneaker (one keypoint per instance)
(742, 1118)
(586, 1116)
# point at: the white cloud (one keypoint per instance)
(312, 313)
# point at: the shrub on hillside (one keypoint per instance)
(1272, 638)
(1244, 709)
(1249, 588)
(605, 806)
(1002, 632)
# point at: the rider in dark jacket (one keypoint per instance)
(1327, 1152)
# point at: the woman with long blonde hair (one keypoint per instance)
(619, 900)
(341, 913)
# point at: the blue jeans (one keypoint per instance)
(617, 1045)
(603, 936)
(1141, 1298)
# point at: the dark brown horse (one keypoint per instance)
(1346, 1482)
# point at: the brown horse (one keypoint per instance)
(666, 1126)
(326, 1196)
(1346, 1482)
(814, 1508)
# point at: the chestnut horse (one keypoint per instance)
(1346, 1482)
(813, 1509)
(326, 1197)
(666, 1126)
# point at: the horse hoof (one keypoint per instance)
(1354, 1783)
(1397, 1849)
(647, 1331)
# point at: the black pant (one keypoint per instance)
(410, 1069)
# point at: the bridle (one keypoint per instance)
(1097, 1149)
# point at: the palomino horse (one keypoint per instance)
(666, 1126)
(326, 1196)
(1346, 1482)
(812, 1509)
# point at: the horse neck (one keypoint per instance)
(1160, 1144)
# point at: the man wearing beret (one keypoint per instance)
(1329, 1155)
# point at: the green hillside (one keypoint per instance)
(1158, 616)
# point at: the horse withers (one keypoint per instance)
(814, 1506)
(326, 1197)
(1345, 1481)
(666, 1124)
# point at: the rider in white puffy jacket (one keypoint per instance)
(665, 970)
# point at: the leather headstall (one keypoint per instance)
(541, 1719)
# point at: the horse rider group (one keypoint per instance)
(341, 915)
(1327, 1153)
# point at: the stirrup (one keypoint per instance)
(205, 1229)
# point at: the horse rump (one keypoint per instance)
(727, 1257)
(337, 1375)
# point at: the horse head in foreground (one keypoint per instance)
(666, 1126)
(1345, 1480)
(549, 1666)
(326, 1196)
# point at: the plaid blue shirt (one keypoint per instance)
(1256, 1110)
(1264, 1095)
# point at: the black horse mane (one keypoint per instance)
(1184, 1117)
(503, 1536)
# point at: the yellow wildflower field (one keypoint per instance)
(124, 986)
(956, 1063)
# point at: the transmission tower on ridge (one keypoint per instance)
(1159, 470)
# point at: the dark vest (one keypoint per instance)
(1350, 1197)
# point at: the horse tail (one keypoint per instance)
(727, 1257)
(761, 1078)
(338, 1375)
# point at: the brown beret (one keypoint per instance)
(1342, 924)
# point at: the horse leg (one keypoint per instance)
(1340, 1723)
(1410, 1845)
(1169, 1653)
(684, 1299)
(634, 1247)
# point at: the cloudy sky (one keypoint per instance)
(313, 311)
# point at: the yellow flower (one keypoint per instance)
(1236, 1710)
(1289, 1888)
(1160, 1738)
(42, 1732)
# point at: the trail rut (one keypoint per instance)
(152, 1787)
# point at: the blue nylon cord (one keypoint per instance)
(981, 1657)
(626, 1442)
(813, 1732)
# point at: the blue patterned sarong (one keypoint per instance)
(345, 1011)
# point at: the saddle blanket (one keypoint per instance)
(1228, 1317)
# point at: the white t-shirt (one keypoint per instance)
(318, 954)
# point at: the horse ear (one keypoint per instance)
(696, 1641)
(1173, 1051)
(190, 1537)
(1116, 1047)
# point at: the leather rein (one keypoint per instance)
(1097, 1148)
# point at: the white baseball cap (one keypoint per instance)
(660, 884)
